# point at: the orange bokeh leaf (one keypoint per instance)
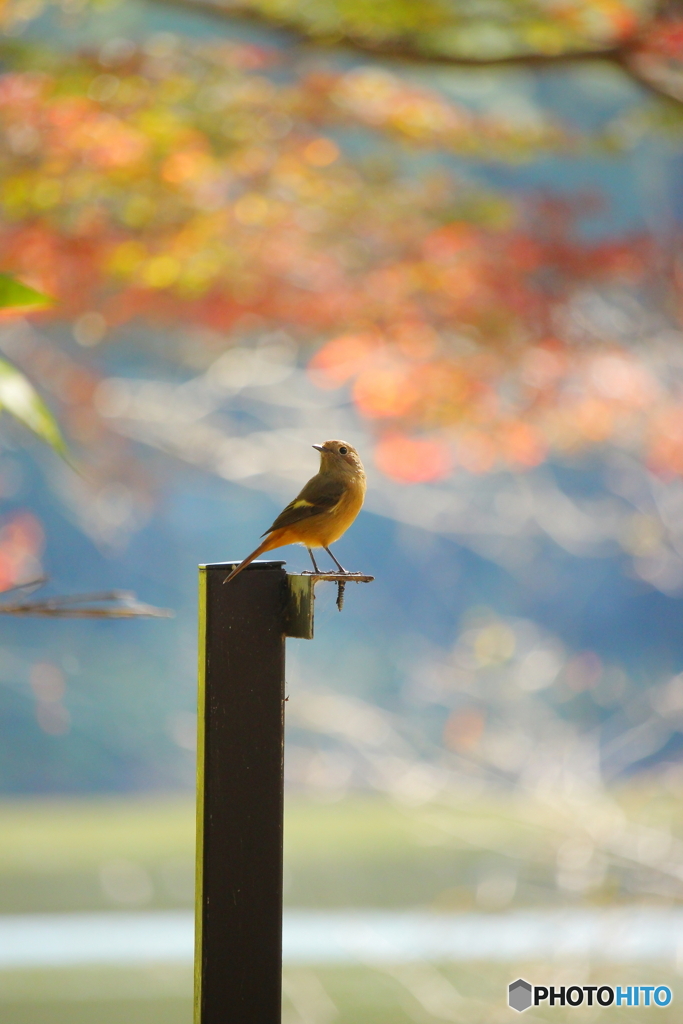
(411, 460)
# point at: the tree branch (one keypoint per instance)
(108, 604)
(622, 55)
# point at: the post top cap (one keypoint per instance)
(260, 564)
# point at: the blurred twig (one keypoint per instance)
(624, 53)
(105, 604)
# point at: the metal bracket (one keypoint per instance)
(301, 598)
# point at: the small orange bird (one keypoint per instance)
(323, 510)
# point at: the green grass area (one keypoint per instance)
(94, 854)
(374, 852)
(101, 853)
(69, 854)
(95, 995)
(418, 993)
(474, 993)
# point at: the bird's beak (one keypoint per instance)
(319, 447)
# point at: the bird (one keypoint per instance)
(324, 508)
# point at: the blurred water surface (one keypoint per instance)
(353, 936)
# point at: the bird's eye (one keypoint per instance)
(343, 450)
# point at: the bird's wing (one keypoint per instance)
(320, 494)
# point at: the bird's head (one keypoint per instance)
(339, 455)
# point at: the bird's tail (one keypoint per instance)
(266, 545)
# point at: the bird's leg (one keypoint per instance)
(315, 567)
(338, 564)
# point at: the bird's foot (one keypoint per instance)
(328, 572)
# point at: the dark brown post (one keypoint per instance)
(242, 629)
(238, 956)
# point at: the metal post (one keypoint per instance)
(238, 956)
(242, 629)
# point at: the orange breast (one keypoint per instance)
(323, 530)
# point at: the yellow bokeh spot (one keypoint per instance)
(546, 37)
(126, 258)
(642, 535)
(161, 272)
(494, 644)
(321, 152)
(132, 90)
(161, 126)
(47, 193)
(138, 211)
(252, 208)
(175, 89)
(15, 193)
(187, 165)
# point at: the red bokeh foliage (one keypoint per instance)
(189, 187)
(21, 543)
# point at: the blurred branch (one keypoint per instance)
(630, 53)
(254, 12)
(106, 604)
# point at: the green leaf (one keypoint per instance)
(15, 295)
(21, 400)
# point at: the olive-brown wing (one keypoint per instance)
(321, 494)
